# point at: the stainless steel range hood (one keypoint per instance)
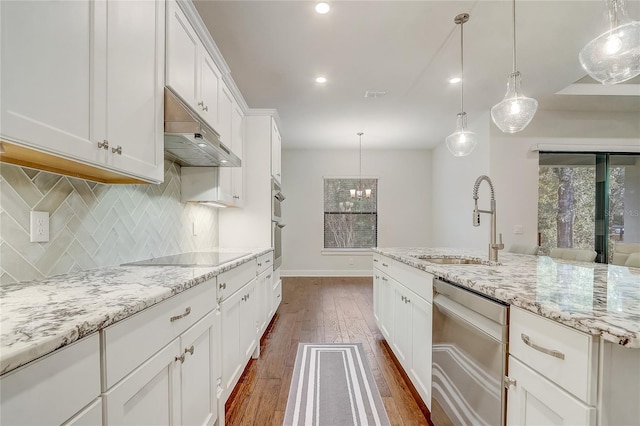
(188, 140)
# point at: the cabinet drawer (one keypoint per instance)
(231, 281)
(264, 262)
(52, 389)
(565, 356)
(130, 342)
(420, 282)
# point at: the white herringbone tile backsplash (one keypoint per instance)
(94, 225)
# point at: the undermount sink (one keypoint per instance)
(449, 260)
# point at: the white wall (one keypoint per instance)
(404, 205)
(513, 168)
(452, 202)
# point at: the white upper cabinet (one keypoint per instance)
(134, 87)
(191, 72)
(83, 80)
(276, 152)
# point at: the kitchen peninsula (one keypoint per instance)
(574, 333)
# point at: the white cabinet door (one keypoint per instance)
(249, 320)
(232, 359)
(46, 82)
(276, 152)
(386, 306)
(225, 111)
(210, 80)
(237, 146)
(200, 371)
(534, 400)
(149, 395)
(402, 324)
(183, 47)
(90, 416)
(263, 294)
(134, 87)
(377, 290)
(420, 372)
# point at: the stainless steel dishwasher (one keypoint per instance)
(470, 333)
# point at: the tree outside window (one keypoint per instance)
(350, 223)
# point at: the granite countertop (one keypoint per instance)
(38, 317)
(591, 297)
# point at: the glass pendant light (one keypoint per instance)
(515, 111)
(360, 191)
(462, 141)
(614, 56)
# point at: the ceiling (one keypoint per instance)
(409, 49)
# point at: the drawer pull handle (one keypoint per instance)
(375, 260)
(177, 317)
(117, 150)
(384, 279)
(189, 350)
(552, 352)
(267, 261)
(384, 264)
(180, 358)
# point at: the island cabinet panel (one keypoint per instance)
(403, 313)
(535, 400)
(52, 389)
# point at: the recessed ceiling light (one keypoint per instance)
(455, 80)
(322, 8)
(202, 145)
(223, 161)
(321, 80)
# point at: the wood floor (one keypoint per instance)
(319, 310)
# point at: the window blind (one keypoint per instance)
(349, 222)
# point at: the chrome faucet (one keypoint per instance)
(493, 246)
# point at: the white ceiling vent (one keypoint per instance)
(374, 94)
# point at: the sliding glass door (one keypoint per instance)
(588, 201)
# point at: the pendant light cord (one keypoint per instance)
(462, 67)
(514, 36)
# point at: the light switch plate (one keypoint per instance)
(39, 229)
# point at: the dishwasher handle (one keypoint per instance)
(463, 314)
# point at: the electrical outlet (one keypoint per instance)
(39, 227)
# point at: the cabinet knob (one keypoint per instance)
(205, 108)
(259, 264)
(223, 286)
(180, 358)
(189, 350)
(104, 144)
(117, 150)
(509, 382)
(201, 105)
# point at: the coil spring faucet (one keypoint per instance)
(493, 246)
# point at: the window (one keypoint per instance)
(350, 223)
(588, 201)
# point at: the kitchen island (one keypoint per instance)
(574, 334)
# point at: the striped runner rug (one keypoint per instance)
(332, 385)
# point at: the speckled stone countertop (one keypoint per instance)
(594, 298)
(38, 317)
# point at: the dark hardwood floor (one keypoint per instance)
(319, 310)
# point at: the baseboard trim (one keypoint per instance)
(325, 273)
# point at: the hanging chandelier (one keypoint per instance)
(614, 56)
(462, 141)
(515, 111)
(360, 191)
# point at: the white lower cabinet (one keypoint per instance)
(90, 416)
(55, 389)
(535, 400)
(403, 310)
(176, 386)
(239, 334)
